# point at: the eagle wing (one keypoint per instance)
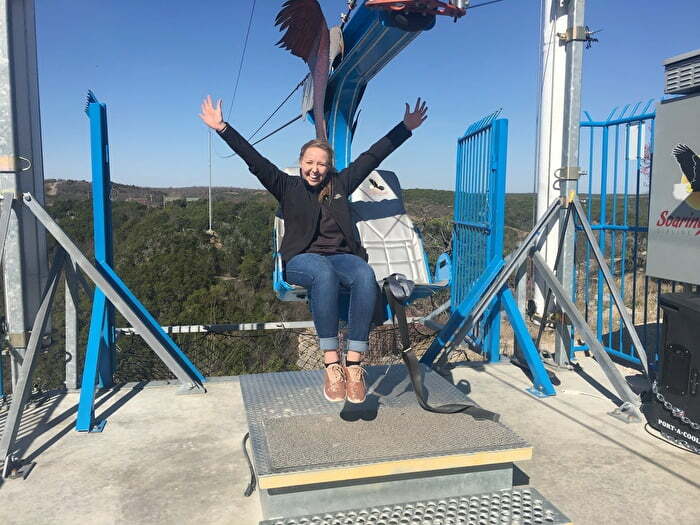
(304, 21)
(689, 163)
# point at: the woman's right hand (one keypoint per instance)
(211, 115)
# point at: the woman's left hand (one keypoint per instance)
(413, 119)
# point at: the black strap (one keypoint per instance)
(251, 485)
(413, 367)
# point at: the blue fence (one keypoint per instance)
(619, 163)
(479, 210)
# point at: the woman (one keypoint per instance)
(320, 249)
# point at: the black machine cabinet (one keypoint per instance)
(678, 378)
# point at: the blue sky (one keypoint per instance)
(152, 62)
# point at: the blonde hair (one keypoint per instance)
(327, 190)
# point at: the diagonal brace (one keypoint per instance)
(491, 283)
(5, 212)
(24, 381)
(179, 365)
(611, 372)
(607, 274)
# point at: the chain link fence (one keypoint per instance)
(218, 352)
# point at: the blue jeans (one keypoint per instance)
(322, 276)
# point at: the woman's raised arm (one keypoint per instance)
(269, 175)
(363, 165)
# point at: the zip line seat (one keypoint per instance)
(393, 243)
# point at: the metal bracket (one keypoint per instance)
(627, 413)
(577, 34)
(568, 173)
(12, 163)
(190, 388)
(18, 340)
(14, 469)
(98, 426)
(536, 393)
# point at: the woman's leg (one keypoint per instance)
(354, 273)
(315, 273)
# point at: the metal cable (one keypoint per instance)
(234, 154)
(240, 65)
(482, 4)
(251, 485)
(279, 107)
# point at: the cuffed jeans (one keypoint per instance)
(322, 276)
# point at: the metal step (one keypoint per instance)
(518, 506)
(313, 456)
(300, 438)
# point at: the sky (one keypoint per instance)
(153, 62)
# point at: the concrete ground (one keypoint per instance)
(164, 458)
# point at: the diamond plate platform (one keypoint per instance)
(313, 456)
(519, 506)
(299, 438)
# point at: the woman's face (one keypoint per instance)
(315, 163)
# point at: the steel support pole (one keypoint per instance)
(25, 266)
(550, 119)
(521, 301)
(71, 302)
(23, 388)
(569, 170)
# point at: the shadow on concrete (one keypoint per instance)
(37, 421)
(524, 367)
(597, 385)
(601, 434)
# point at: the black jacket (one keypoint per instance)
(299, 202)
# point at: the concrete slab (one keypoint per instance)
(594, 467)
(165, 458)
(162, 458)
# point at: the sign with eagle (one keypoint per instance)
(674, 206)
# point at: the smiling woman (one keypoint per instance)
(320, 248)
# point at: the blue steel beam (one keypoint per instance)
(540, 379)
(100, 363)
(102, 321)
(370, 44)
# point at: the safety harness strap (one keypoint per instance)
(395, 284)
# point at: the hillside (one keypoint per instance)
(184, 275)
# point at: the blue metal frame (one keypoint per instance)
(100, 363)
(479, 215)
(616, 179)
(370, 44)
(100, 348)
(477, 251)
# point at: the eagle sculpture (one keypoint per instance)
(308, 37)
(690, 165)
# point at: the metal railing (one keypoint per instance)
(619, 163)
(479, 210)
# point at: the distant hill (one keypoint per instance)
(56, 190)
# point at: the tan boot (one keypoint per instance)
(356, 390)
(334, 383)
